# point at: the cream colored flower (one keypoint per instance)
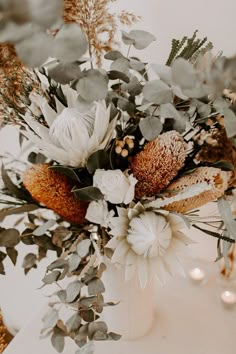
(147, 243)
(72, 135)
(98, 213)
(115, 185)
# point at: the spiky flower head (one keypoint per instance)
(147, 243)
(158, 163)
(53, 190)
(72, 135)
(217, 180)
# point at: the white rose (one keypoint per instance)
(116, 187)
(98, 213)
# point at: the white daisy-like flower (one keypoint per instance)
(73, 135)
(147, 243)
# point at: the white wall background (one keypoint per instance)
(168, 19)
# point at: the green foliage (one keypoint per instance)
(188, 48)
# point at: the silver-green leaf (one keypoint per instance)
(73, 323)
(73, 290)
(150, 127)
(70, 43)
(93, 85)
(158, 92)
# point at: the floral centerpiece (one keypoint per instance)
(123, 161)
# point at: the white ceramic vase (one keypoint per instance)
(133, 316)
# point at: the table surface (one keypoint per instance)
(190, 319)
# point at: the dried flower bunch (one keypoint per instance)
(123, 161)
(17, 81)
(98, 23)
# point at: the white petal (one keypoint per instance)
(101, 123)
(143, 271)
(71, 95)
(120, 252)
(59, 105)
(38, 128)
(48, 113)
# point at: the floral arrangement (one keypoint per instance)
(123, 161)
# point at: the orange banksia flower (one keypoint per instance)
(221, 150)
(54, 191)
(217, 179)
(158, 163)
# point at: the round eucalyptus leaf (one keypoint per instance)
(122, 65)
(51, 277)
(83, 248)
(29, 261)
(93, 85)
(50, 319)
(164, 72)
(43, 12)
(69, 43)
(9, 238)
(150, 127)
(136, 65)
(168, 110)
(36, 49)
(138, 38)
(58, 340)
(113, 55)
(73, 290)
(95, 286)
(95, 327)
(230, 123)
(183, 74)
(127, 39)
(64, 73)
(73, 323)
(13, 32)
(158, 92)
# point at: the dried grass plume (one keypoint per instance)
(98, 23)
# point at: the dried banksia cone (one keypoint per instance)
(158, 163)
(54, 191)
(221, 150)
(217, 179)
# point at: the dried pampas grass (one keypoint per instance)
(98, 23)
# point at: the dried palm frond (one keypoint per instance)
(98, 23)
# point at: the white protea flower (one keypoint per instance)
(73, 135)
(147, 243)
